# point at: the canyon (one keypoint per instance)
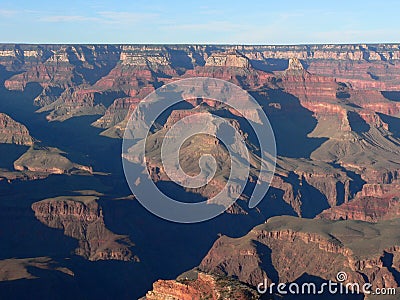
(333, 203)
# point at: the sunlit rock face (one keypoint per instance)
(12, 132)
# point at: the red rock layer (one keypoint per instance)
(204, 286)
(375, 202)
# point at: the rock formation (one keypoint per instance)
(375, 202)
(12, 132)
(284, 248)
(200, 286)
(230, 59)
(48, 160)
(81, 218)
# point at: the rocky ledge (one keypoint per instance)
(195, 285)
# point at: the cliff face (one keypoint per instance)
(12, 132)
(81, 218)
(56, 66)
(375, 202)
(285, 248)
(359, 139)
(231, 66)
(343, 97)
(78, 101)
(230, 59)
(128, 69)
(309, 186)
(117, 112)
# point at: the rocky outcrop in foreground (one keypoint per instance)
(194, 285)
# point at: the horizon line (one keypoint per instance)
(199, 44)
